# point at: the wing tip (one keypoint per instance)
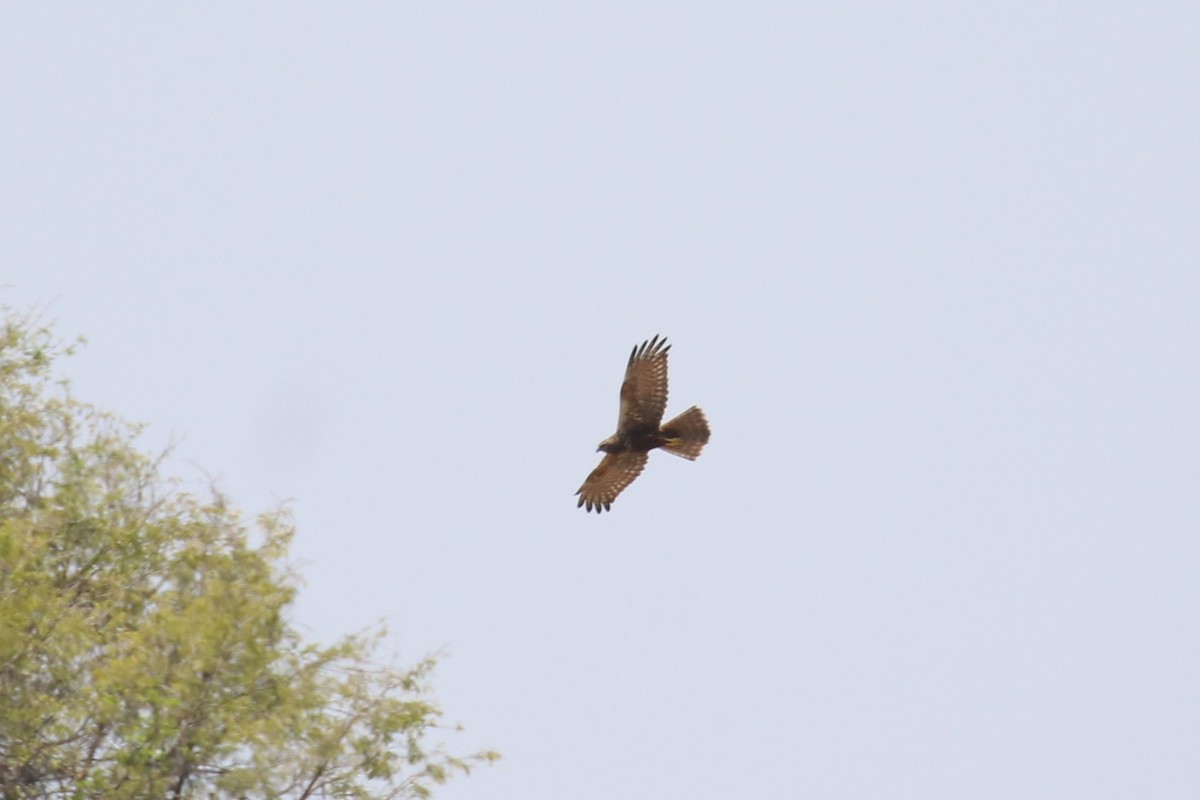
(592, 505)
(654, 346)
(597, 506)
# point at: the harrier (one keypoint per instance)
(643, 401)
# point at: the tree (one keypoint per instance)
(145, 645)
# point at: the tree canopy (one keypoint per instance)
(145, 644)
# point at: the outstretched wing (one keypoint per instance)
(616, 471)
(644, 391)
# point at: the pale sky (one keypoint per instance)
(932, 271)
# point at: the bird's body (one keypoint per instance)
(640, 428)
(633, 441)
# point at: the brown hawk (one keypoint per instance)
(639, 428)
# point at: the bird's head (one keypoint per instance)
(608, 445)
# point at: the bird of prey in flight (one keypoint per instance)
(640, 428)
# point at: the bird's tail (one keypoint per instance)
(687, 434)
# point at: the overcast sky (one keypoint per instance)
(932, 270)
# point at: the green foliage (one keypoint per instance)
(145, 648)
